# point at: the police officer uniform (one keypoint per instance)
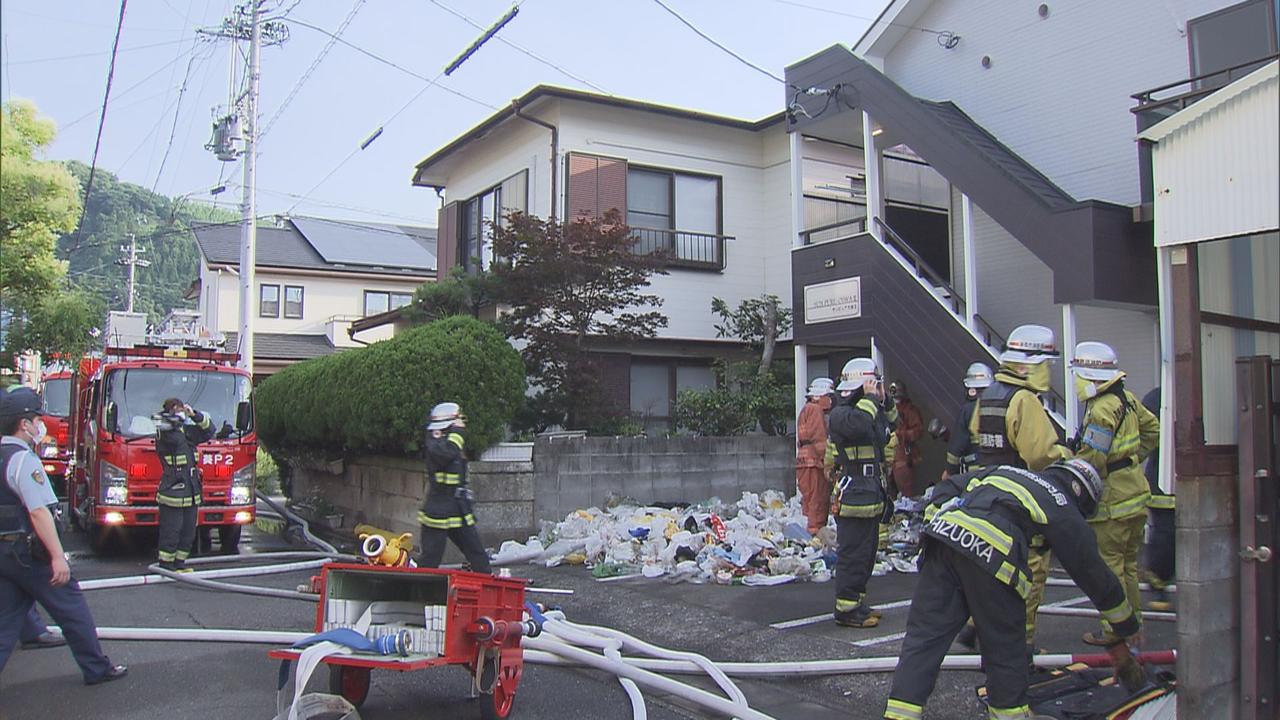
(446, 512)
(180, 490)
(26, 570)
(859, 428)
(974, 562)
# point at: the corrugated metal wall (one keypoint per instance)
(1219, 175)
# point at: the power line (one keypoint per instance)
(524, 50)
(333, 40)
(131, 88)
(173, 132)
(713, 41)
(872, 20)
(77, 56)
(102, 121)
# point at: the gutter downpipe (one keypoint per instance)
(555, 149)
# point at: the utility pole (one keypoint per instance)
(133, 262)
(245, 24)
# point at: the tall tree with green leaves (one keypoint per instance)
(569, 287)
(39, 200)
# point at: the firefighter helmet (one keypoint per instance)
(819, 387)
(978, 376)
(20, 401)
(444, 415)
(856, 372)
(1083, 482)
(1030, 344)
(1095, 361)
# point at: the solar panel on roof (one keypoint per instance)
(353, 244)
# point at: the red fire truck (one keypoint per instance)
(114, 465)
(56, 450)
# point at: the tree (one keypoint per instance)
(38, 201)
(61, 323)
(461, 293)
(751, 393)
(569, 286)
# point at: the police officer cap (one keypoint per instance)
(20, 401)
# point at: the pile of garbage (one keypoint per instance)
(759, 540)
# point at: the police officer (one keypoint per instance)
(1116, 436)
(36, 635)
(179, 429)
(962, 451)
(446, 513)
(975, 563)
(860, 423)
(33, 567)
(1012, 427)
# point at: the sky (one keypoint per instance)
(168, 79)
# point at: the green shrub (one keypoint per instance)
(717, 412)
(376, 399)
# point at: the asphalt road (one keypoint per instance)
(218, 680)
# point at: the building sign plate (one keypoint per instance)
(835, 300)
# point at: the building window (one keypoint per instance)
(380, 301)
(293, 301)
(655, 383)
(269, 301)
(482, 212)
(1229, 38)
(678, 213)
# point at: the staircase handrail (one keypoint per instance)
(922, 268)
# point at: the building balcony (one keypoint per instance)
(684, 249)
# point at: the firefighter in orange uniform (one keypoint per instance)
(811, 448)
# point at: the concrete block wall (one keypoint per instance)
(573, 473)
(1208, 572)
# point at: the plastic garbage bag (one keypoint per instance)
(760, 579)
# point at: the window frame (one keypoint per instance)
(262, 312)
(365, 307)
(301, 301)
(1272, 11)
(671, 191)
(482, 239)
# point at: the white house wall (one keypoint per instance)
(1057, 92)
(513, 146)
(755, 206)
(1219, 175)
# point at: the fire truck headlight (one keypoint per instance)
(242, 484)
(49, 451)
(115, 484)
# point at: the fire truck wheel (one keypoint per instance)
(229, 539)
(352, 683)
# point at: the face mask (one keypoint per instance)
(1038, 377)
(38, 431)
(1085, 389)
(824, 402)
(971, 393)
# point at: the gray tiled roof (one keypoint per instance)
(282, 346)
(288, 248)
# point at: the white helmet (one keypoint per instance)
(978, 376)
(1095, 361)
(820, 386)
(1089, 479)
(1030, 344)
(444, 415)
(856, 372)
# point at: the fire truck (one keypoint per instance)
(55, 451)
(114, 467)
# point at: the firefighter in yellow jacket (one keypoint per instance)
(1011, 427)
(1116, 436)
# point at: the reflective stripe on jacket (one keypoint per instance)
(859, 430)
(180, 480)
(447, 505)
(1011, 427)
(1116, 441)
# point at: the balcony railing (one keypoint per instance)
(693, 250)
(834, 231)
(1151, 109)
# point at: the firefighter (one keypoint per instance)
(811, 448)
(33, 566)
(962, 451)
(1160, 542)
(861, 422)
(974, 563)
(446, 513)
(179, 429)
(907, 453)
(1013, 428)
(1116, 436)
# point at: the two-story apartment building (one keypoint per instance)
(314, 278)
(710, 189)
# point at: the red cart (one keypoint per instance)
(468, 619)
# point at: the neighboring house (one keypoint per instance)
(314, 277)
(1023, 113)
(711, 189)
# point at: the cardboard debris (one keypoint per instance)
(759, 540)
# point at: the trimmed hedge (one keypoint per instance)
(376, 399)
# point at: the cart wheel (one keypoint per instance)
(503, 679)
(352, 683)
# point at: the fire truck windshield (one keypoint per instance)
(139, 393)
(57, 397)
